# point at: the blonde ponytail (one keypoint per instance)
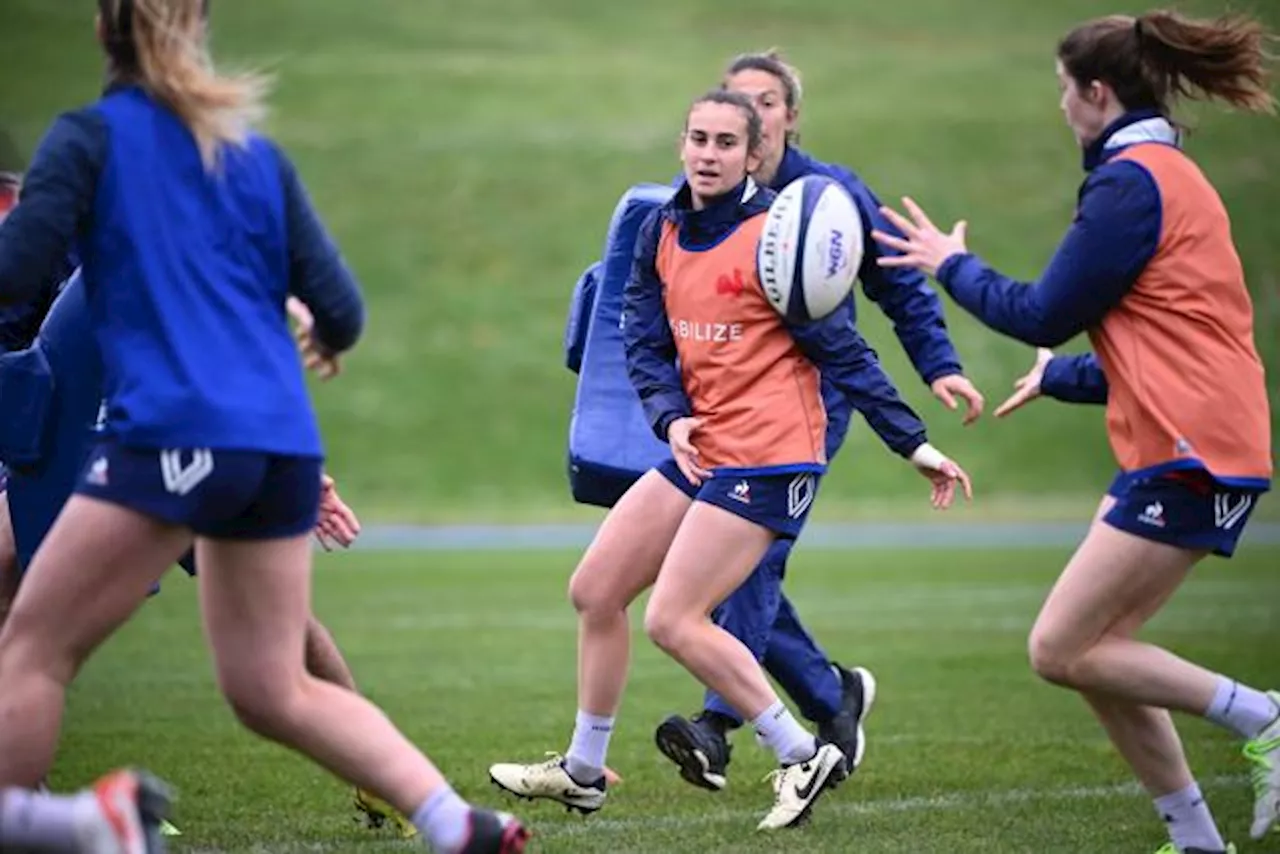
(174, 65)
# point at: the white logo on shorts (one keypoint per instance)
(97, 475)
(1229, 509)
(1153, 514)
(800, 494)
(741, 492)
(180, 479)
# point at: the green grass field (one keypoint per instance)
(473, 655)
(468, 155)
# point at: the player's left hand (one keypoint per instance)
(948, 388)
(338, 525)
(922, 245)
(1027, 387)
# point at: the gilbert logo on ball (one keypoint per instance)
(810, 249)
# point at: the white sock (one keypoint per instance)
(781, 732)
(1241, 708)
(590, 745)
(33, 820)
(444, 819)
(1190, 823)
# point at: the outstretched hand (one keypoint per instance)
(922, 245)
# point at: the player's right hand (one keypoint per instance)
(679, 437)
(337, 524)
(944, 479)
(944, 473)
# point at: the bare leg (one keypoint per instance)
(255, 596)
(621, 562)
(92, 572)
(8, 560)
(323, 658)
(713, 553)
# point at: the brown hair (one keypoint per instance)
(160, 44)
(1152, 60)
(772, 62)
(755, 131)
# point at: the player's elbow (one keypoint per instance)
(19, 283)
(339, 330)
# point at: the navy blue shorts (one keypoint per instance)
(229, 495)
(1185, 509)
(4, 479)
(779, 502)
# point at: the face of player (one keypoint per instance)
(714, 151)
(1085, 109)
(769, 95)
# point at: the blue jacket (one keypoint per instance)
(1114, 235)
(186, 274)
(846, 362)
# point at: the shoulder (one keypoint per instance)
(835, 171)
(85, 127)
(650, 232)
(71, 153)
(1123, 177)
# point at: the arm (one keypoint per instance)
(1114, 236)
(1074, 379)
(904, 295)
(317, 274)
(57, 198)
(851, 366)
(646, 336)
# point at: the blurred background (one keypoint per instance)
(467, 157)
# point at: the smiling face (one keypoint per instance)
(716, 150)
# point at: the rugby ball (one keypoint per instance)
(810, 249)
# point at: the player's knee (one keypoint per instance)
(670, 631)
(26, 651)
(590, 595)
(265, 706)
(1052, 657)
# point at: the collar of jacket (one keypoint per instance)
(794, 164)
(719, 217)
(1130, 129)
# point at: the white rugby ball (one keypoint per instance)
(810, 249)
